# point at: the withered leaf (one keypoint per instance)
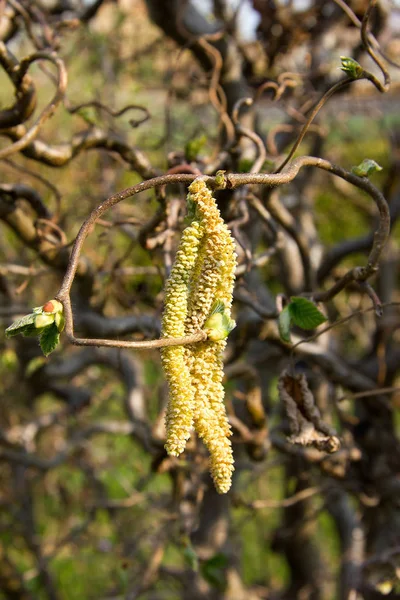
(306, 424)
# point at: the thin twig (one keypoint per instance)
(335, 88)
(49, 109)
(341, 322)
(231, 181)
(366, 41)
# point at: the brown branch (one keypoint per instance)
(242, 131)
(20, 190)
(231, 181)
(285, 503)
(49, 109)
(28, 22)
(38, 177)
(215, 91)
(114, 113)
(341, 322)
(94, 138)
(371, 38)
(25, 92)
(45, 464)
(341, 84)
(367, 43)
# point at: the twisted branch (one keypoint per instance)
(230, 181)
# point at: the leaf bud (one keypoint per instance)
(43, 320)
(53, 306)
(351, 67)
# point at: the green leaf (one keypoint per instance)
(284, 322)
(304, 313)
(31, 331)
(218, 325)
(49, 339)
(366, 168)
(351, 67)
(217, 307)
(59, 321)
(44, 320)
(220, 180)
(20, 325)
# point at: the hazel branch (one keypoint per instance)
(231, 181)
(49, 109)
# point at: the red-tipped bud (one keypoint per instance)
(48, 307)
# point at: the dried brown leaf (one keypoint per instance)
(306, 424)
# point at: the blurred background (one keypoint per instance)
(91, 506)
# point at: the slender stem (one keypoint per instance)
(194, 338)
(358, 274)
(366, 39)
(341, 322)
(335, 88)
(49, 109)
(367, 44)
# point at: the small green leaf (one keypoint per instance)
(220, 180)
(366, 168)
(284, 322)
(351, 67)
(59, 321)
(304, 313)
(31, 331)
(217, 307)
(218, 325)
(49, 339)
(20, 325)
(39, 321)
(43, 320)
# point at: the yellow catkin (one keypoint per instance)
(180, 409)
(179, 417)
(203, 273)
(215, 439)
(212, 279)
(214, 271)
(176, 289)
(216, 388)
(210, 420)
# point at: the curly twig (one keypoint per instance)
(250, 134)
(366, 41)
(340, 84)
(50, 108)
(230, 181)
(25, 102)
(113, 113)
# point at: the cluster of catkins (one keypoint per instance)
(198, 297)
